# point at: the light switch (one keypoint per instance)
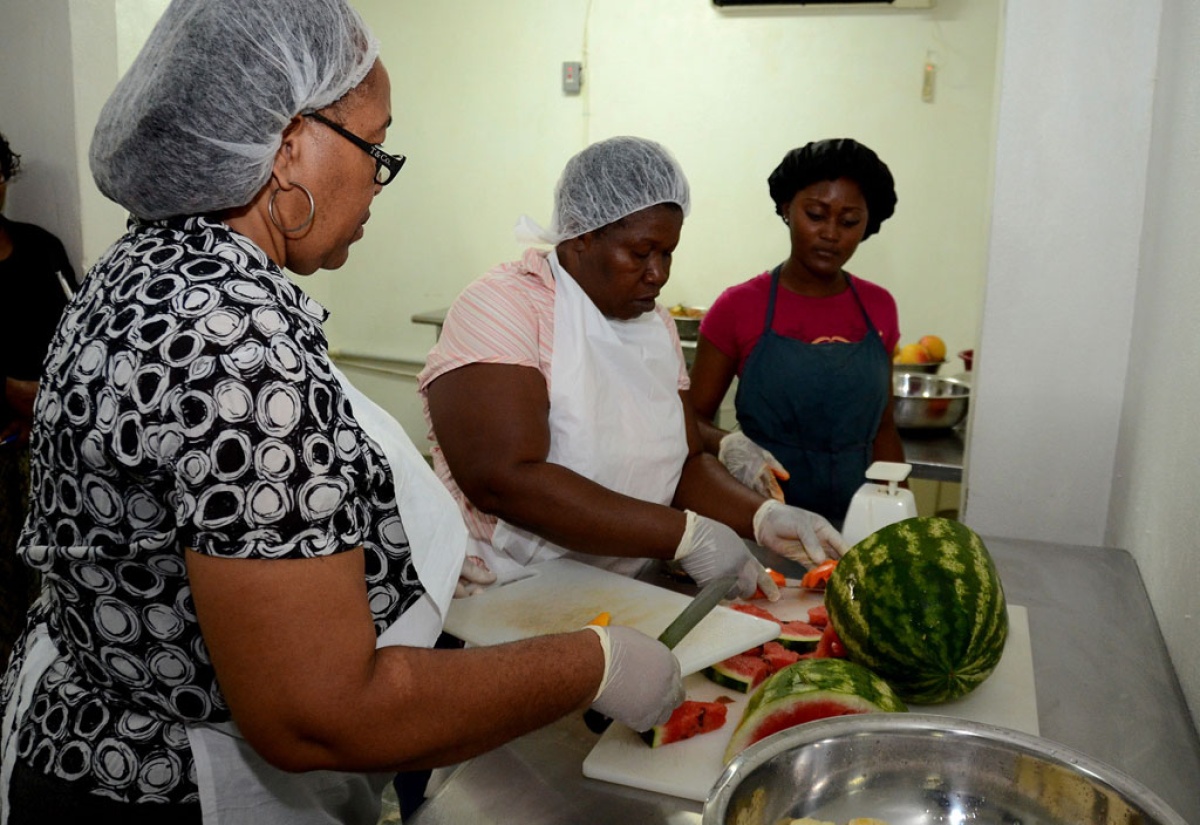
(572, 78)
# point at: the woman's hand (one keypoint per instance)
(752, 465)
(710, 549)
(641, 684)
(797, 534)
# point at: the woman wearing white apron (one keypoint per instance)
(227, 531)
(556, 396)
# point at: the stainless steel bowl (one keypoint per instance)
(930, 367)
(910, 769)
(688, 327)
(929, 401)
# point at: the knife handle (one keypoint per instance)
(596, 721)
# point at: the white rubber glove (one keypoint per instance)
(797, 534)
(641, 684)
(710, 549)
(474, 578)
(752, 465)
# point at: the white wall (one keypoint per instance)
(1153, 511)
(1077, 86)
(479, 112)
(37, 115)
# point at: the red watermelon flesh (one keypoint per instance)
(742, 672)
(818, 616)
(806, 711)
(689, 719)
(777, 656)
(755, 610)
(799, 636)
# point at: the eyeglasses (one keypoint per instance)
(386, 166)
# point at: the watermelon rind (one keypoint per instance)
(738, 672)
(801, 637)
(853, 688)
(690, 719)
(919, 603)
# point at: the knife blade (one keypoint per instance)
(700, 606)
(709, 597)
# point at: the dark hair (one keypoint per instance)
(832, 159)
(10, 161)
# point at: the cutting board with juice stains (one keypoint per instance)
(689, 768)
(563, 595)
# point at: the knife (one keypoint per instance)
(709, 596)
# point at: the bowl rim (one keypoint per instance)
(879, 723)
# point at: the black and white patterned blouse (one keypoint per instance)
(187, 402)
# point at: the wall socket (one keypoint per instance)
(572, 77)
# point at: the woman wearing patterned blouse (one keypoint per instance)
(244, 560)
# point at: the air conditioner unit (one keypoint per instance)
(860, 4)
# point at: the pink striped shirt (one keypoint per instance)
(504, 317)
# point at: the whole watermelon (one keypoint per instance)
(919, 603)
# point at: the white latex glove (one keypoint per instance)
(710, 549)
(797, 534)
(752, 465)
(641, 684)
(474, 578)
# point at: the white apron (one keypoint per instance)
(237, 787)
(615, 418)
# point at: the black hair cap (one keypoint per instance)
(10, 161)
(832, 159)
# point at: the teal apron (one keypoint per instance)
(817, 408)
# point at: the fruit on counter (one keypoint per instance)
(799, 636)
(689, 719)
(681, 311)
(818, 616)
(811, 689)
(919, 603)
(746, 671)
(912, 354)
(777, 577)
(935, 346)
(815, 578)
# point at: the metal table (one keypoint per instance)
(936, 455)
(1105, 686)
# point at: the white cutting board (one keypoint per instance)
(563, 595)
(690, 768)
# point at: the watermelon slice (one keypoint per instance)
(799, 636)
(777, 656)
(689, 719)
(818, 616)
(808, 690)
(742, 672)
(754, 610)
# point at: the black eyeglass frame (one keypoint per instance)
(392, 163)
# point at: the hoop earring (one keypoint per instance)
(312, 210)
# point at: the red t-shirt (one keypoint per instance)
(735, 321)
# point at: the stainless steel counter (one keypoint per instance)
(1105, 686)
(936, 455)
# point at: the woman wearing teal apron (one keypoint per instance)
(810, 344)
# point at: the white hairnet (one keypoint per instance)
(606, 182)
(194, 125)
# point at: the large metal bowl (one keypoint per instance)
(929, 401)
(910, 769)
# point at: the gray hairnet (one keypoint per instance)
(612, 179)
(194, 125)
